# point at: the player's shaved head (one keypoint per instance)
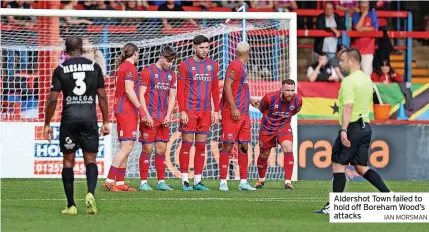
(243, 48)
(74, 46)
(353, 54)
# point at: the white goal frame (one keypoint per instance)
(292, 33)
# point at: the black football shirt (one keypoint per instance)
(78, 78)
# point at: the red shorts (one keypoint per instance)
(198, 123)
(266, 141)
(232, 131)
(158, 133)
(126, 125)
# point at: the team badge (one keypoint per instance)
(230, 136)
(209, 67)
(145, 135)
(134, 134)
(170, 77)
(130, 74)
(292, 107)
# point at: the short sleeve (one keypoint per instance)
(145, 77)
(231, 72)
(355, 18)
(182, 73)
(173, 83)
(347, 92)
(56, 80)
(130, 74)
(265, 103)
(100, 77)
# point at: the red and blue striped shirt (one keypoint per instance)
(126, 71)
(277, 112)
(236, 71)
(158, 83)
(197, 83)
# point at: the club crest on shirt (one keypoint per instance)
(209, 67)
(129, 74)
(170, 77)
(229, 136)
(145, 135)
(292, 107)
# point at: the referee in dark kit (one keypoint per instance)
(354, 137)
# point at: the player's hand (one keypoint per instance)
(215, 118)
(235, 115)
(48, 133)
(148, 121)
(184, 118)
(344, 139)
(167, 120)
(105, 129)
(255, 103)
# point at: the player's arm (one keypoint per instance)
(298, 107)
(264, 104)
(181, 82)
(170, 105)
(215, 88)
(144, 83)
(229, 80)
(51, 103)
(348, 100)
(131, 94)
(102, 101)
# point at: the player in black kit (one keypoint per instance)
(80, 80)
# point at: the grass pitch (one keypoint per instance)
(35, 205)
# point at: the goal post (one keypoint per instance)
(272, 36)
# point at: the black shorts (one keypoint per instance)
(358, 152)
(77, 135)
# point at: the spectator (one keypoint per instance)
(347, 5)
(89, 5)
(335, 62)
(322, 70)
(331, 22)
(366, 20)
(285, 5)
(170, 5)
(94, 54)
(205, 4)
(24, 21)
(74, 20)
(262, 4)
(386, 74)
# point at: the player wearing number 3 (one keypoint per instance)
(127, 108)
(80, 80)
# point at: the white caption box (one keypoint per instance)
(379, 207)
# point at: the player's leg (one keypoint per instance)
(361, 164)
(126, 127)
(202, 132)
(160, 149)
(228, 139)
(68, 146)
(288, 159)
(91, 180)
(188, 133)
(244, 138)
(262, 164)
(68, 179)
(89, 142)
(147, 139)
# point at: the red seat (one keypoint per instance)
(152, 8)
(192, 8)
(259, 10)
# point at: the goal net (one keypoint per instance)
(29, 54)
